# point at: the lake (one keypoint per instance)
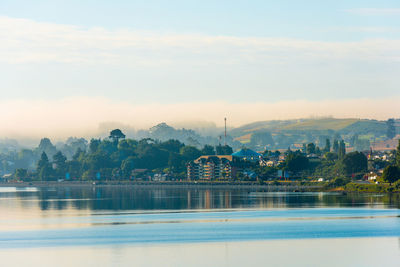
(123, 226)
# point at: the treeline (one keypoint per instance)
(332, 163)
(116, 158)
(312, 161)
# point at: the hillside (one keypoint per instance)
(287, 132)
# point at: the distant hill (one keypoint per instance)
(288, 132)
(279, 134)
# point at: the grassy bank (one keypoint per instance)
(373, 188)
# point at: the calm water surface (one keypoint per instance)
(120, 226)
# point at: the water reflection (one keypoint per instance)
(128, 198)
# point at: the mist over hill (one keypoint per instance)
(272, 134)
(358, 134)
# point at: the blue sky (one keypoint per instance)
(139, 53)
(304, 19)
(286, 18)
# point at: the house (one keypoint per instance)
(247, 155)
(7, 177)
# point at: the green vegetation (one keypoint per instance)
(119, 158)
(357, 133)
(391, 174)
(380, 188)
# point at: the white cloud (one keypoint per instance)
(375, 11)
(27, 41)
(82, 116)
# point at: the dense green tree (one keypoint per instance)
(190, 153)
(116, 135)
(108, 147)
(391, 174)
(391, 129)
(208, 150)
(310, 148)
(330, 156)
(44, 161)
(127, 166)
(151, 157)
(98, 160)
(335, 146)
(74, 168)
(342, 150)
(296, 162)
(327, 145)
(176, 163)
(59, 160)
(172, 145)
(223, 150)
(44, 168)
(79, 152)
(398, 155)
(355, 162)
(94, 145)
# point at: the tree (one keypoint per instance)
(21, 174)
(44, 161)
(391, 129)
(330, 156)
(45, 145)
(44, 169)
(172, 145)
(398, 155)
(223, 150)
(355, 162)
(342, 150)
(77, 154)
(127, 166)
(304, 149)
(116, 134)
(94, 145)
(327, 145)
(391, 174)
(310, 148)
(190, 153)
(208, 150)
(59, 161)
(176, 163)
(336, 146)
(296, 162)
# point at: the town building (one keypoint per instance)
(247, 155)
(211, 167)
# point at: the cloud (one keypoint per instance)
(375, 11)
(27, 41)
(88, 116)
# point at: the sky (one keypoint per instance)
(68, 66)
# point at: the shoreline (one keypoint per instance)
(289, 187)
(171, 185)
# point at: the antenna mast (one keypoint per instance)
(225, 132)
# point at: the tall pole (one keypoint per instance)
(225, 132)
